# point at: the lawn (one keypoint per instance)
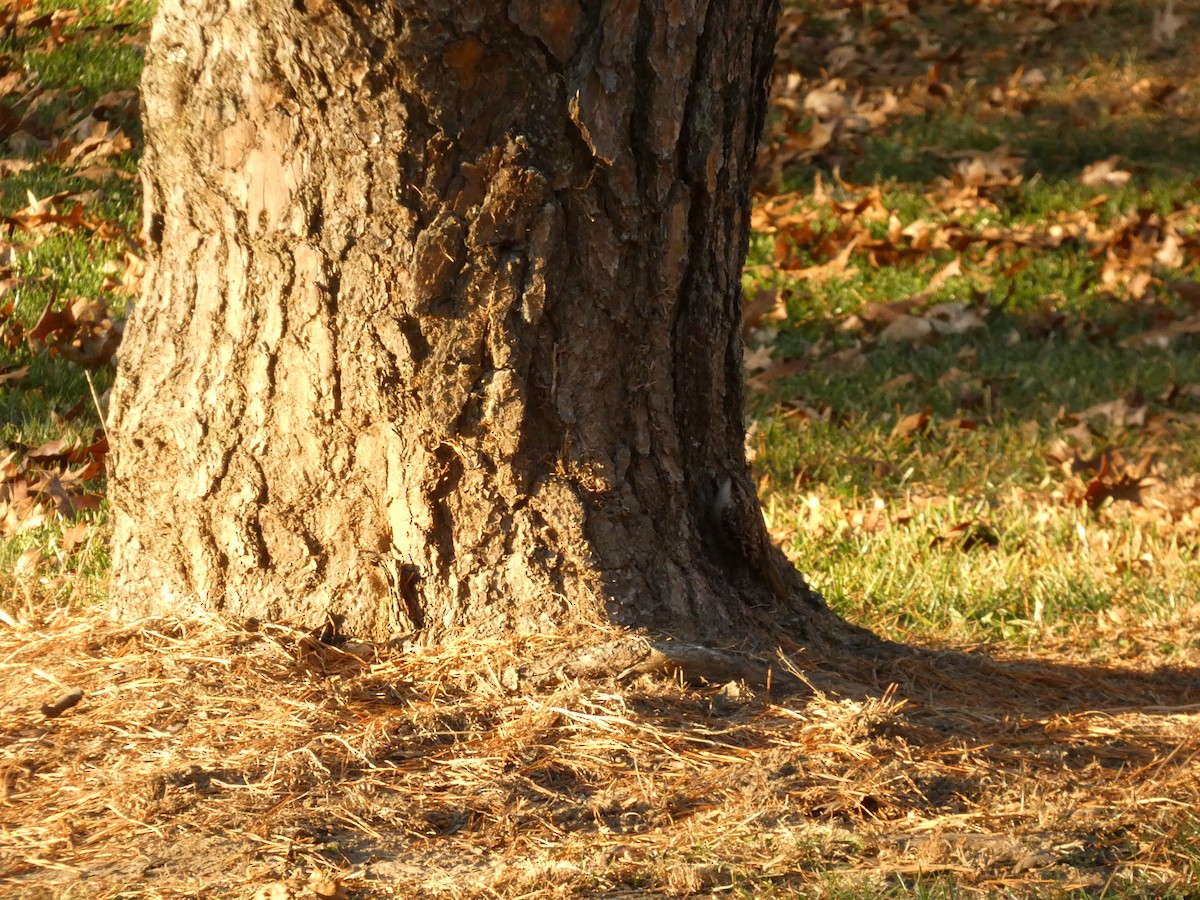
(972, 325)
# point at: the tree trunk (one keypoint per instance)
(442, 327)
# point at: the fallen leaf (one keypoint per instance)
(1105, 173)
(852, 324)
(81, 503)
(838, 265)
(952, 269)
(914, 423)
(1161, 338)
(49, 453)
(83, 333)
(14, 166)
(782, 369)
(758, 359)
(1186, 290)
(13, 375)
(880, 468)
(847, 360)
(968, 535)
(872, 519)
(21, 514)
(827, 101)
(766, 304)
(1170, 254)
(955, 317)
(98, 172)
(996, 168)
(1166, 24)
(51, 322)
(75, 535)
(1175, 392)
(328, 888)
(1119, 413)
(796, 408)
(29, 562)
(1108, 476)
(886, 313)
(907, 329)
(91, 455)
(1115, 487)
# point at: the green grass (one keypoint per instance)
(100, 53)
(1051, 345)
(93, 68)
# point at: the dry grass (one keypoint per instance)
(209, 761)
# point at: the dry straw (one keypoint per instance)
(206, 760)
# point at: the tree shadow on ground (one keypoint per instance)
(207, 755)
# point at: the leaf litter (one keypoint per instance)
(52, 482)
(197, 758)
(1115, 495)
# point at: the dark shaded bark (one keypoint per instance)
(442, 326)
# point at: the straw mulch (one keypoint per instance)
(210, 761)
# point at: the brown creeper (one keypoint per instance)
(739, 521)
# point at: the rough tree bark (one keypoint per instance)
(441, 333)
